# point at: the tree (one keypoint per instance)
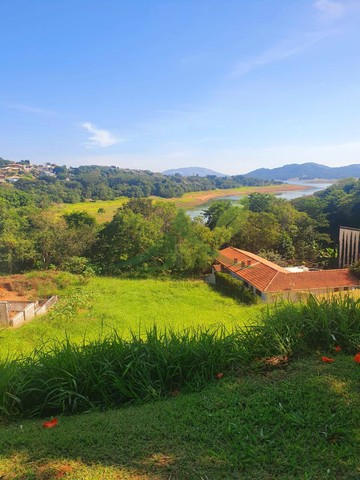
(260, 232)
(213, 213)
(259, 202)
(79, 220)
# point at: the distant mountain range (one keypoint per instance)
(306, 171)
(192, 171)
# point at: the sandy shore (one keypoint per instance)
(194, 199)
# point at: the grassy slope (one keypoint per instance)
(298, 423)
(105, 304)
(188, 200)
(92, 208)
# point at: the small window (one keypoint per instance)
(258, 292)
(336, 289)
(346, 288)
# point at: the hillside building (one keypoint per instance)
(271, 282)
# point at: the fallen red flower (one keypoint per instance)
(175, 392)
(337, 348)
(327, 359)
(219, 375)
(51, 423)
(64, 470)
(357, 358)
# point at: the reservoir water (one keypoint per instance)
(314, 187)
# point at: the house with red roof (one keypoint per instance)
(271, 282)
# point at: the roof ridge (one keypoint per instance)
(268, 285)
(261, 260)
(322, 271)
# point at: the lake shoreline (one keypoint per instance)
(196, 199)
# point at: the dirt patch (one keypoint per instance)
(7, 293)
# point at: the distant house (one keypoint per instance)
(2, 179)
(271, 282)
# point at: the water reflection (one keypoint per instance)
(315, 187)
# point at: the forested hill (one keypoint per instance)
(191, 171)
(72, 185)
(306, 171)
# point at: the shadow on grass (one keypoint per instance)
(298, 423)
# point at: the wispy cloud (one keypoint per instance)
(30, 109)
(284, 50)
(331, 9)
(335, 10)
(98, 137)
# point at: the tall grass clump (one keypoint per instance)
(67, 377)
(317, 324)
(109, 372)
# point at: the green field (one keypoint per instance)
(105, 304)
(109, 206)
(297, 423)
(187, 201)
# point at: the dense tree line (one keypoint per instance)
(72, 185)
(337, 205)
(155, 237)
(268, 226)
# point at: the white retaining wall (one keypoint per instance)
(27, 311)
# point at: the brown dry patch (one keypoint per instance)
(160, 460)
(53, 471)
(11, 289)
(278, 361)
(194, 199)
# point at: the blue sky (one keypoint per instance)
(231, 85)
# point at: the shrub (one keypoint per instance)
(78, 266)
(355, 269)
(231, 287)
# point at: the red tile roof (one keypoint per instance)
(314, 280)
(268, 277)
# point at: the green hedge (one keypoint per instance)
(228, 285)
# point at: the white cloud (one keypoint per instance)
(98, 137)
(286, 49)
(331, 9)
(336, 10)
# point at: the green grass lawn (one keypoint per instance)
(105, 304)
(297, 423)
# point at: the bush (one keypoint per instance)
(79, 266)
(236, 289)
(355, 269)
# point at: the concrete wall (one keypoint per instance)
(17, 306)
(18, 320)
(4, 314)
(27, 311)
(45, 307)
